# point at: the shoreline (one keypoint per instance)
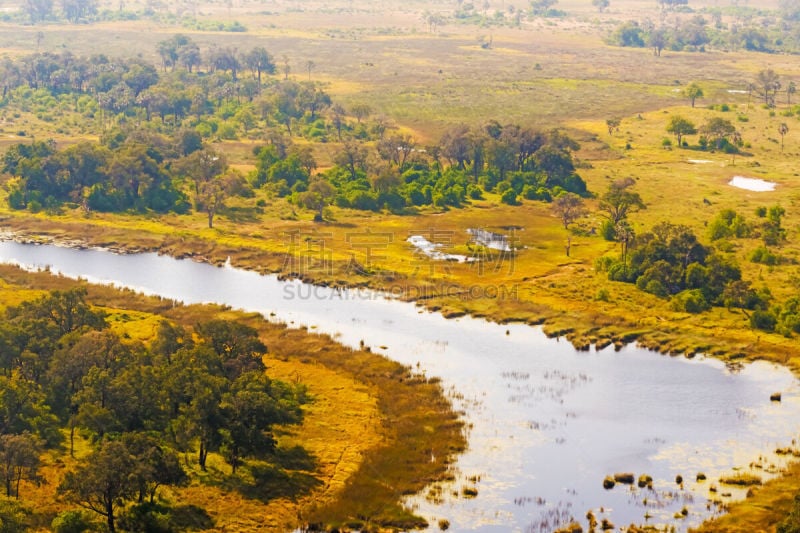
(217, 256)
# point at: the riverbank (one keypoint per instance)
(568, 300)
(220, 254)
(369, 416)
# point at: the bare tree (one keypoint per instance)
(568, 207)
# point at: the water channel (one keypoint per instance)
(546, 423)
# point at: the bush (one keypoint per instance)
(763, 320)
(763, 256)
(604, 263)
(691, 301)
(72, 522)
(509, 197)
(608, 231)
(13, 517)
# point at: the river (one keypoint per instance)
(546, 423)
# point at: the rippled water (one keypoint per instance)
(546, 423)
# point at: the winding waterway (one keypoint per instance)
(546, 423)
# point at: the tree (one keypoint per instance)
(679, 127)
(237, 346)
(155, 465)
(658, 40)
(791, 88)
(601, 5)
(541, 7)
(211, 197)
(613, 125)
(320, 193)
(769, 83)
(19, 459)
(718, 129)
(251, 408)
(75, 10)
(693, 91)
(361, 111)
(353, 157)
(568, 207)
(259, 61)
(38, 10)
(104, 482)
(619, 200)
(783, 129)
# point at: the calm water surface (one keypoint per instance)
(546, 423)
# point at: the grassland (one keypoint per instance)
(545, 73)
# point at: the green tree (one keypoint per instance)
(320, 194)
(251, 408)
(156, 465)
(259, 61)
(718, 130)
(104, 482)
(19, 460)
(619, 200)
(679, 127)
(693, 91)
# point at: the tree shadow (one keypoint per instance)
(267, 482)
(241, 214)
(191, 518)
(295, 458)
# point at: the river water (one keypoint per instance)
(546, 422)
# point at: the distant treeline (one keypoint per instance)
(751, 29)
(152, 154)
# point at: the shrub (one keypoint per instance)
(509, 197)
(763, 320)
(72, 522)
(763, 256)
(608, 231)
(690, 301)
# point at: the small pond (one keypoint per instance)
(752, 184)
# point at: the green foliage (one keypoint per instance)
(763, 256)
(73, 522)
(13, 516)
(690, 301)
(670, 261)
(728, 224)
(763, 320)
